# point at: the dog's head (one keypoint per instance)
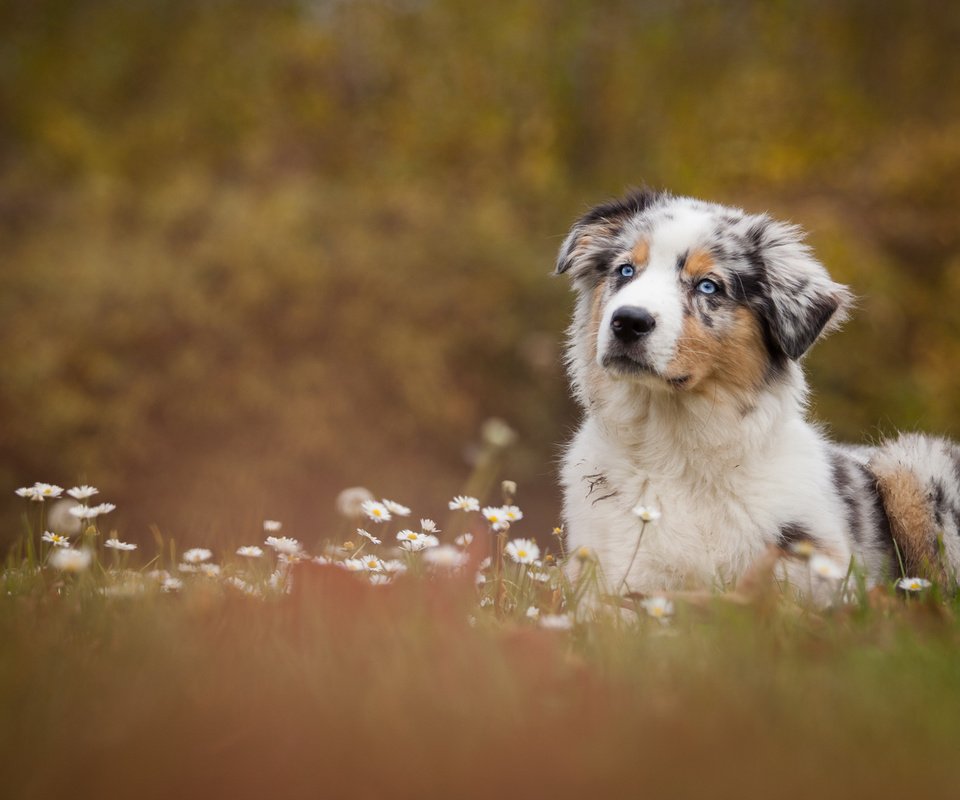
(687, 296)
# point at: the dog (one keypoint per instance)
(694, 456)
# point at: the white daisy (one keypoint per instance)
(464, 539)
(210, 570)
(428, 526)
(412, 541)
(495, 516)
(658, 607)
(420, 541)
(512, 513)
(171, 585)
(486, 602)
(92, 512)
(30, 493)
(349, 502)
(116, 544)
(249, 551)
(378, 512)
(486, 563)
(479, 579)
(189, 568)
(45, 490)
(271, 525)
(82, 492)
(463, 502)
(379, 579)
(56, 539)
(84, 512)
(367, 535)
(646, 513)
(913, 584)
(523, 551)
(446, 556)
(556, 622)
(70, 560)
(497, 433)
(394, 566)
(533, 613)
(196, 555)
(284, 545)
(396, 508)
(827, 568)
(371, 563)
(352, 565)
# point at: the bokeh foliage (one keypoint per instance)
(255, 252)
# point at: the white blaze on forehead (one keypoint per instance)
(676, 229)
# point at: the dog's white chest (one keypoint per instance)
(715, 517)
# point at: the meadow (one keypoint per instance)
(255, 253)
(405, 661)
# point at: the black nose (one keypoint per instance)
(629, 323)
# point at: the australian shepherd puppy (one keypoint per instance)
(685, 351)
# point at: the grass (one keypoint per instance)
(341, 688)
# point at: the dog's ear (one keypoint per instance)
(798, 300)
(587, 248)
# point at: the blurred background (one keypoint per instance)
(253, 253)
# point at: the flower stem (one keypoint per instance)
(636, 549)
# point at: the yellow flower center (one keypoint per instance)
(521, 553)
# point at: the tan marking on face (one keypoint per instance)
(743, 357)
(699, 264)
(698, 349)
(640, 254)
(731, 357)
(912, 524)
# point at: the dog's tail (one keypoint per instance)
(919, 481)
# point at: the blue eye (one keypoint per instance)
(626, 271)
(706, 286)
